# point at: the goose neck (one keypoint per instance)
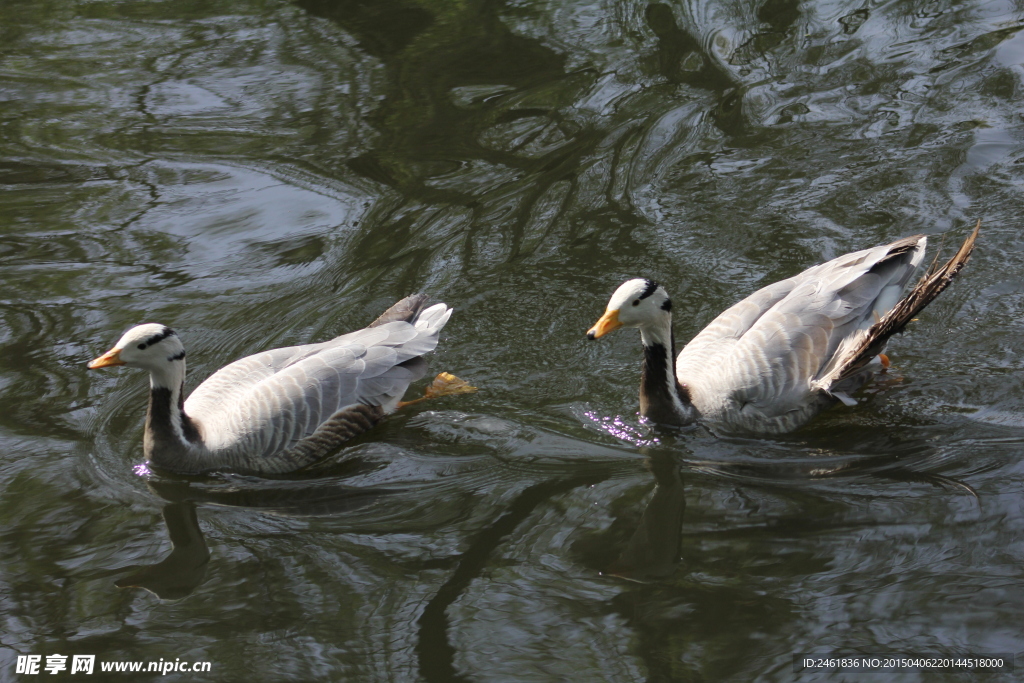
(168, 428)
(662, 398)
(658, 332)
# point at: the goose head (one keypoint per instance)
(152, 347)
(636, 303)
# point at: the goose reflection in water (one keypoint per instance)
(653, 551)
(184, 568)
(648, 552)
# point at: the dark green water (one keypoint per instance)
(257, 174)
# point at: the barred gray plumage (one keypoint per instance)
(279, 410)
(774, 360)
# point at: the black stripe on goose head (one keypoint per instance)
(649, 289)
(180, 355)
(156, 338)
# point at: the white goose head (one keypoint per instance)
(636, 303)
(152, 347)
(645, 304)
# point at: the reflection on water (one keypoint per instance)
(259, 174)
(178, 574)
(183, 570)
(653, 549)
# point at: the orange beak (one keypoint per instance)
(608, 322)
(110, 358)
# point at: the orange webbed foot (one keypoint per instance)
(445, 384)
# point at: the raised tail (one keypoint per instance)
(431, 320)
(405, 310)
(394, 349)
(413, 309)
(863, 347)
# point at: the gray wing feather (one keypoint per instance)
(267, 402)
(762, 354)
(847, 366)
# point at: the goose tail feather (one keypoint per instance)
(860, 349)
(405, 310)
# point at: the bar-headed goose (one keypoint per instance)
(283, 409)
(773, 361)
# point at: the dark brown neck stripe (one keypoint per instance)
(188, 427)
(656, 401)
(160, 418)
(662, 398)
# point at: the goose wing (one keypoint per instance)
(858, 349)
(266, 403)
(759, 357)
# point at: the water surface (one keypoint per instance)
(259, 174)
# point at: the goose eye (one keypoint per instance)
(142, 347)
(636, 302)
